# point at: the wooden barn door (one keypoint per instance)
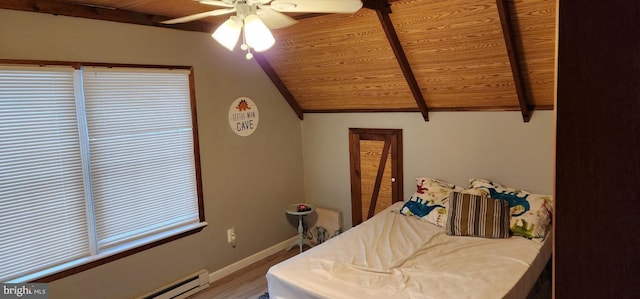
(376, 171)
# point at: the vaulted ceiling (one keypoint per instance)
(404, 56)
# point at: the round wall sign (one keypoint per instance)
(243, 116)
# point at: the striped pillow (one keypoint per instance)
(475, 215)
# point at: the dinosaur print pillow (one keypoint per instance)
(530, 213)
(430, 201)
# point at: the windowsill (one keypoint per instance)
(79, 265)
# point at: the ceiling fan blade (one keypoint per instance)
(274, 19)
(201, 15)
(217, 3)
(258, 2)
(318, 6)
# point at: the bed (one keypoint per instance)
(395, 256)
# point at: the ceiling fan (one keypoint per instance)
(257, 16)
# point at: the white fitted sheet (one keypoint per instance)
(394, 256)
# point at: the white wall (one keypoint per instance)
(247, 181)
(452, 146)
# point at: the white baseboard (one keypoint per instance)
(249, 260)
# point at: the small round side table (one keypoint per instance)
(293, 210)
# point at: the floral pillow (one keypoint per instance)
(430, 201)
(530, 213)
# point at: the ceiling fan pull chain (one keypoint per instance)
(244, 45)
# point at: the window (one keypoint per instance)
(94, 162)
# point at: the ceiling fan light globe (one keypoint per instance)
(228, 34)
(257, 34)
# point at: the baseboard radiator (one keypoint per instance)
(181, 288)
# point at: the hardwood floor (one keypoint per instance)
(247, 283)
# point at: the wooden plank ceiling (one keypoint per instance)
(406, 55)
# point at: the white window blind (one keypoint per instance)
(141, 147)
(42, 204)
(93, 162)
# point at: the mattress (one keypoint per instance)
(394, 256)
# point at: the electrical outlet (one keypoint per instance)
(231, 237)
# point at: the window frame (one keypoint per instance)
(196, 153)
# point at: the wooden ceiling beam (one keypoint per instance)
(392, 36)
(383, 9)
(377, 5)
(271, 73)
(70, 9)
(512, 50)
